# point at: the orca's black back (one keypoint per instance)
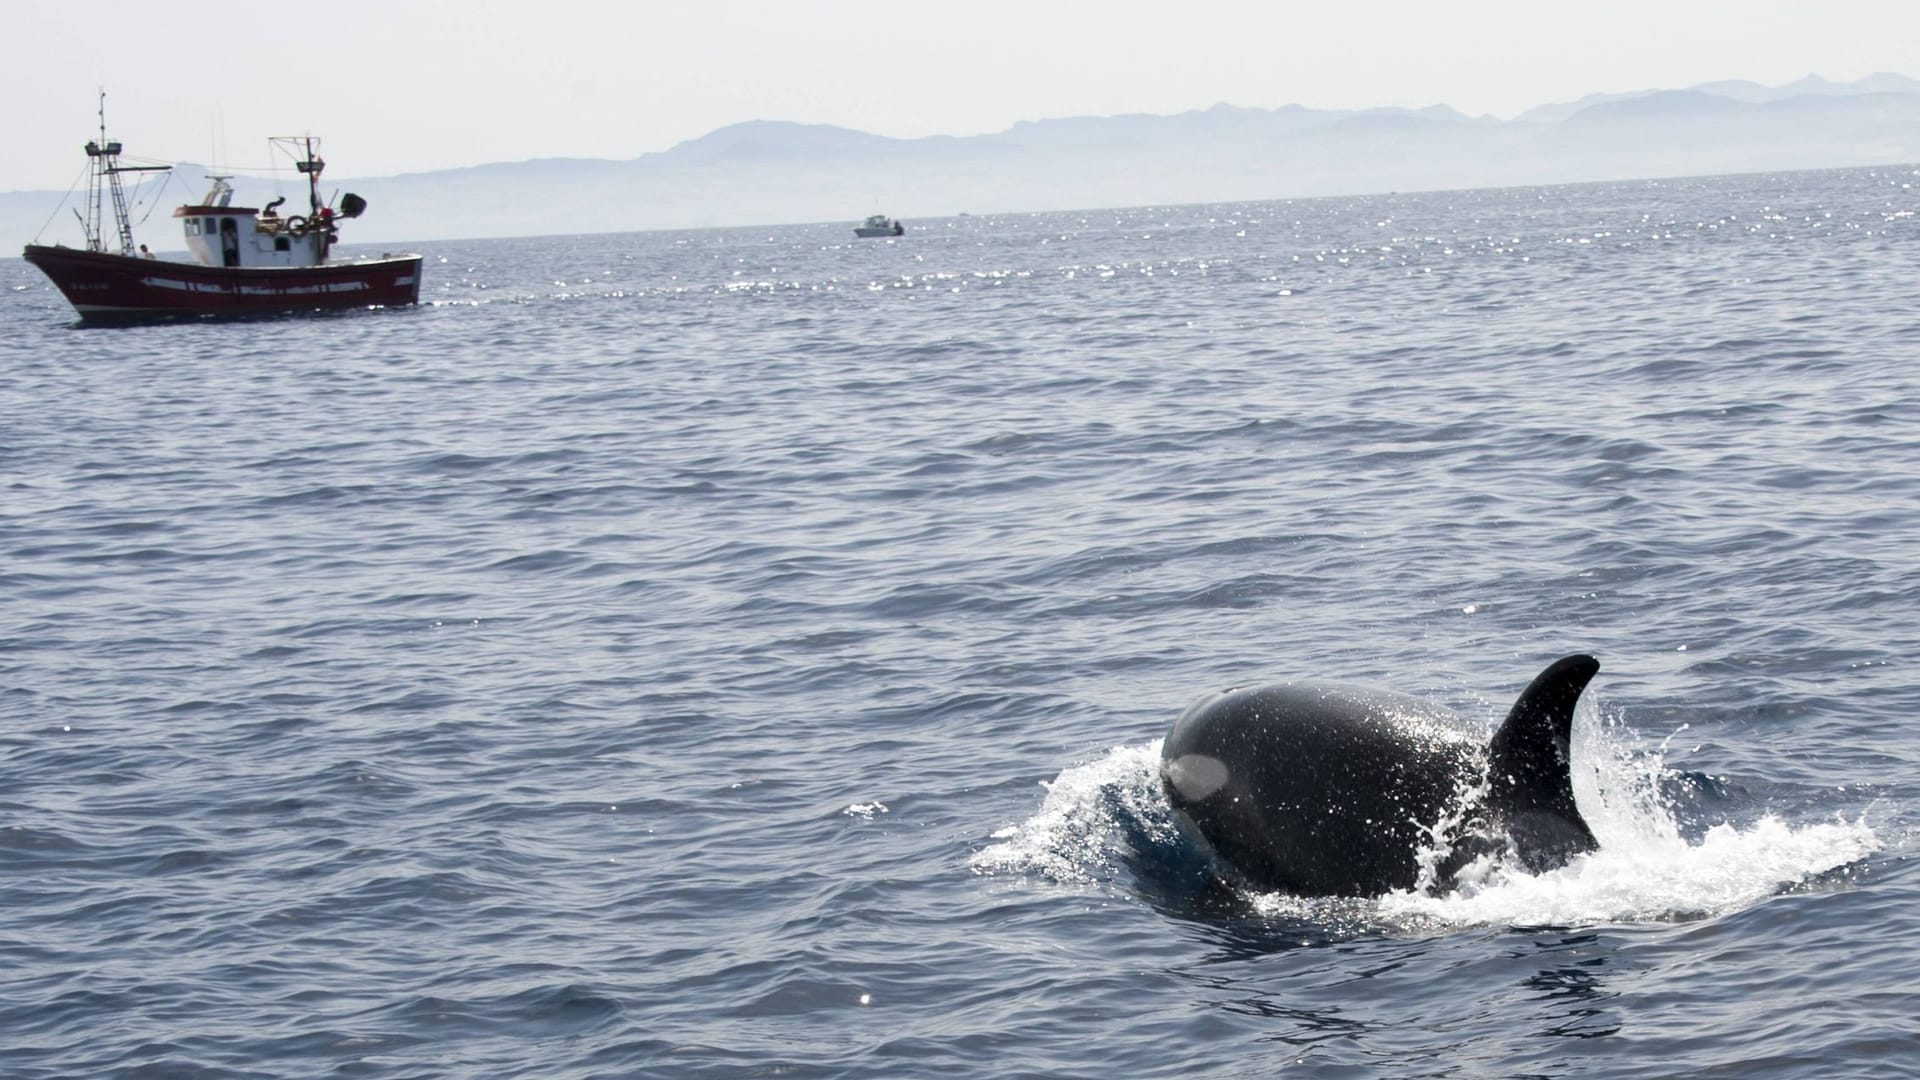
(1318, 790)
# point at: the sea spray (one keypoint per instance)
(1644, 871)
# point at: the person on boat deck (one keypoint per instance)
(144, 253)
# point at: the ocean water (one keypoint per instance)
(745, 652)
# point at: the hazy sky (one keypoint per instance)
(404, 85)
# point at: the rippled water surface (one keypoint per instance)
(745, 652)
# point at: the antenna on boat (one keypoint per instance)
(308, 162)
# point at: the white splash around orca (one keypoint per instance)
(1107, 824)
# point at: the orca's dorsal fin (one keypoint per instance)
(1528, 779)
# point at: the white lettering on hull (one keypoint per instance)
(317, 289)
(182, 286)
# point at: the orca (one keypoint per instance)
(1318, 789)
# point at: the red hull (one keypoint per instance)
(117, 287)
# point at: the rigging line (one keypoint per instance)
(141, 160)
(165, 183)
(71, 188)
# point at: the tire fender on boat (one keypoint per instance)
(297, 225)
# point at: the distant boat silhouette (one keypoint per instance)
(878, 225)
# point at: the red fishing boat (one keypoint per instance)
(246, 260)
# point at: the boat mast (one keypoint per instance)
(105, 158)
(310, 165)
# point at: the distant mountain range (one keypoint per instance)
(767, 172)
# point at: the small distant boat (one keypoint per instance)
(245, 260)
(878, 225)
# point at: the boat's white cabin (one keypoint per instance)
(219, 234)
